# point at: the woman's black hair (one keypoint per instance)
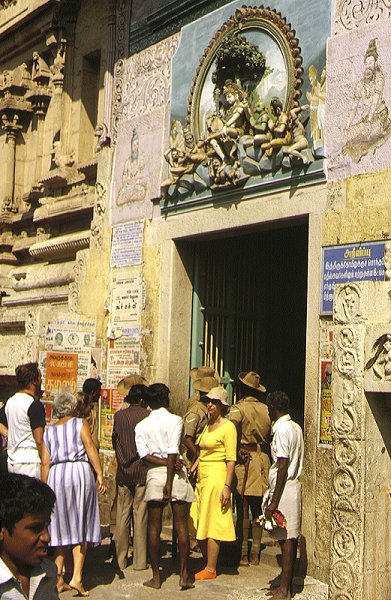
(21, 495)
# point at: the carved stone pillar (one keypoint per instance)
(67, 17)
(110, 59)
(11, 127)
(347, 545)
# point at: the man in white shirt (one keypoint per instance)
(157, 440)
(25, 419)
(284, 494)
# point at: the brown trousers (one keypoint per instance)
(131, 500)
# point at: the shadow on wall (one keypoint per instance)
(380, 406)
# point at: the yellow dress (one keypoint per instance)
(209, 518)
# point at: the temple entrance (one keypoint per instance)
(249, 308)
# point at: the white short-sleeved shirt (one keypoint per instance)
(43, 583)
(159, 434)
(287, 443)
(24, 414)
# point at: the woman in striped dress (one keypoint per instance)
(67, 453)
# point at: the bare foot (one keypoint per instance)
(279, 594)
(61, 585)
(78, 586)
(254, 558)
(244, 561)
(186, 584)
(153, 583)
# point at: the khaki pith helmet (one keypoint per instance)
(126, 384)
(205, 384)
(201, 372)
(252, 380)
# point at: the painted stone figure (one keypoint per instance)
(281, 135)
(236, 123)
(368, 125)
(299, 138)
(134, 184)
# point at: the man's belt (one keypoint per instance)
(249, 447)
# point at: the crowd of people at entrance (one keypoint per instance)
(215, 461)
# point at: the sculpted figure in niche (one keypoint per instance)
(381, 361)
(368, 125)
(40, 67)
(279, 128)
(57, 68)
(236, 123)
(59, 159)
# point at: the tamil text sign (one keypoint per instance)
(341, 264)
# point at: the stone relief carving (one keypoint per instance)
(348, 512)
(239, 127)
(57, 68)
(355, 13)
(7, 3)
(142, 83)
(378, 359)
(134, 181)
(387, 261)
(368, 126)
(316, 97)
(99, 212)
(147, 79)
(102, 135)
(15, 357)
(347, 304)
(78, 274)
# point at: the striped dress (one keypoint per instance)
(75, 517)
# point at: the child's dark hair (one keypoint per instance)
(156, 396)
(21, 495)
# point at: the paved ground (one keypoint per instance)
(246, 583)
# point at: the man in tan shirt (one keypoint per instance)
(251, 418)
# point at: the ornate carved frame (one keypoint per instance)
(246, 18)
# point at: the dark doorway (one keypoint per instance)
(249, 308)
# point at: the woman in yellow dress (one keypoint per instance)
(212, 510)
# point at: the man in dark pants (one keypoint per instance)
(284, 493)
(130, 479)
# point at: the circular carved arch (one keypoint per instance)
(245, 19)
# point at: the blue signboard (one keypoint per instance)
(357, 262)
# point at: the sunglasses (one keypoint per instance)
(213, 401)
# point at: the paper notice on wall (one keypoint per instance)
(326, 341)
(70, 335)
(127, 299)
(326, 402)
(122, 361)
(61, 373)
(126, 245)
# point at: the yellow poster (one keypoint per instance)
(61, 372)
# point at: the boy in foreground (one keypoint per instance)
(26, 504)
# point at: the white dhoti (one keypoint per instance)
(290, 506)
